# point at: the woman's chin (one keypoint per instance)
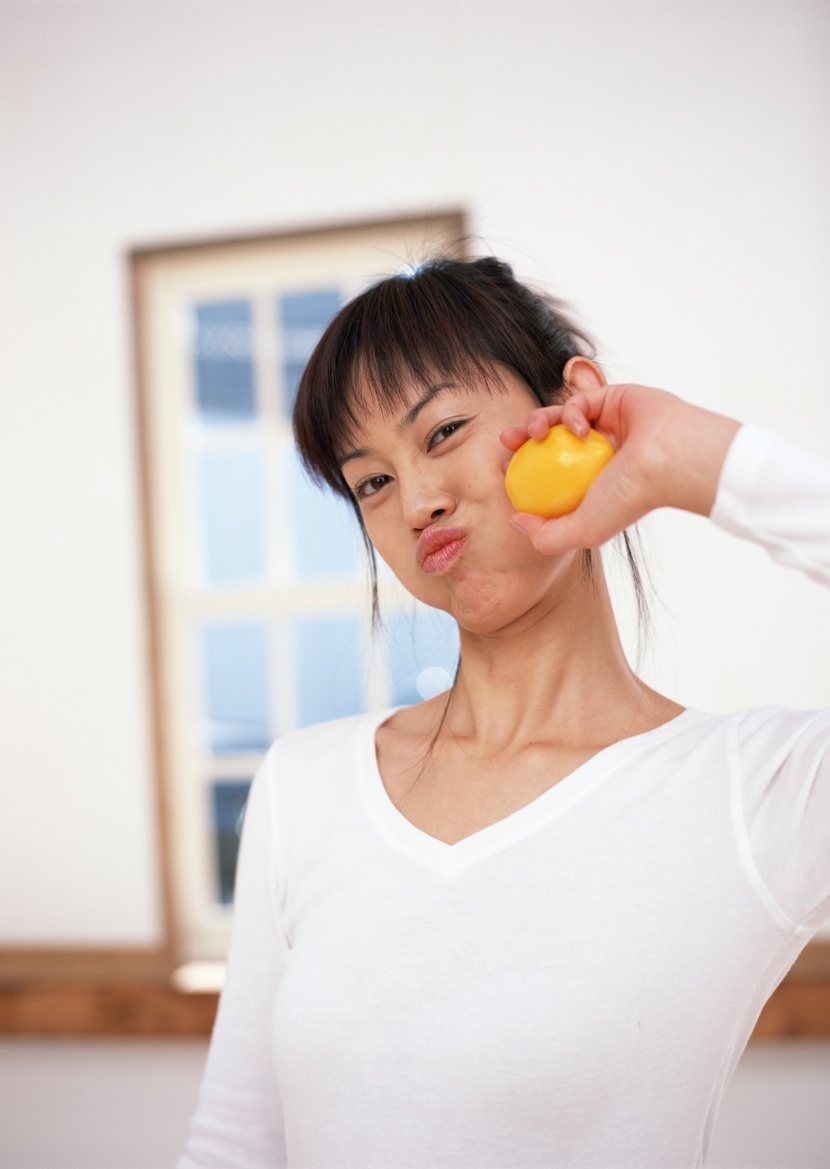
(486, 602)
(488, 607)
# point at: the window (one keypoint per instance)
(257, 582)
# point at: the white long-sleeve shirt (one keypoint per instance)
(571, 986)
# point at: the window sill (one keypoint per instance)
(99, 992)
(121, 1008)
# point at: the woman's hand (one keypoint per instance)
(669, 454)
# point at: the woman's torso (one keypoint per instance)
(585, 968)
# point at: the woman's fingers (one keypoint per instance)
(513, 438)
(540, 421)
(577, 413)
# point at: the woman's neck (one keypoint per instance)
(559, 675)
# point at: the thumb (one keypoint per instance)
(609, 506)
(551, 536)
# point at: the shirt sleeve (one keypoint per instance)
(238, 1123)
(777, 495)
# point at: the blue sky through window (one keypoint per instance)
(302, 318)
(237, 690)
(324, 529)
(224, 367)
(422, 653)
(329, 668)
(231, 491)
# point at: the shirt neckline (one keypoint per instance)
(429, 851)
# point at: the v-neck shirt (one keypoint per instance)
(570, 986)
(553, 802)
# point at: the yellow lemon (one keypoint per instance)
(550, 478)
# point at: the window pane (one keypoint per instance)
(237, 696)
(324, 528)
(302, 317)
(229, 797)
(328, 657)
(422, 652)
(224, 362)
(231, 492)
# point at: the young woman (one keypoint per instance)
(531, 921)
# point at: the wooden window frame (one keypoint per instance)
(165, 282)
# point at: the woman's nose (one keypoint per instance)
(424, 506)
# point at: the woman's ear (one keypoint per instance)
(580, 373)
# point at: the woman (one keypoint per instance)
(531, 921)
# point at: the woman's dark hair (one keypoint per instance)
(447, 320)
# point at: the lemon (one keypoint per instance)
(550, 477)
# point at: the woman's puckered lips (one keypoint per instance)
(433, 539)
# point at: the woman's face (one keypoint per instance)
(430, 485)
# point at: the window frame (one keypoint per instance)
(160, 277)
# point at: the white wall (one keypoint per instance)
(664, 165)
(85, 1104)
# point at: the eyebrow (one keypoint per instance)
(405, 422)
(415, 410)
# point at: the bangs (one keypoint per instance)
(449, 322)
(421, 342)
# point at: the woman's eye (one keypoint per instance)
(370, 486)
(442, 433)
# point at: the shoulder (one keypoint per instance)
(308, 785)
(757, 738)
(320, 756)
(321, 737)
(764, 741)
(760, 722)
(769, 735)
(321, 742)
